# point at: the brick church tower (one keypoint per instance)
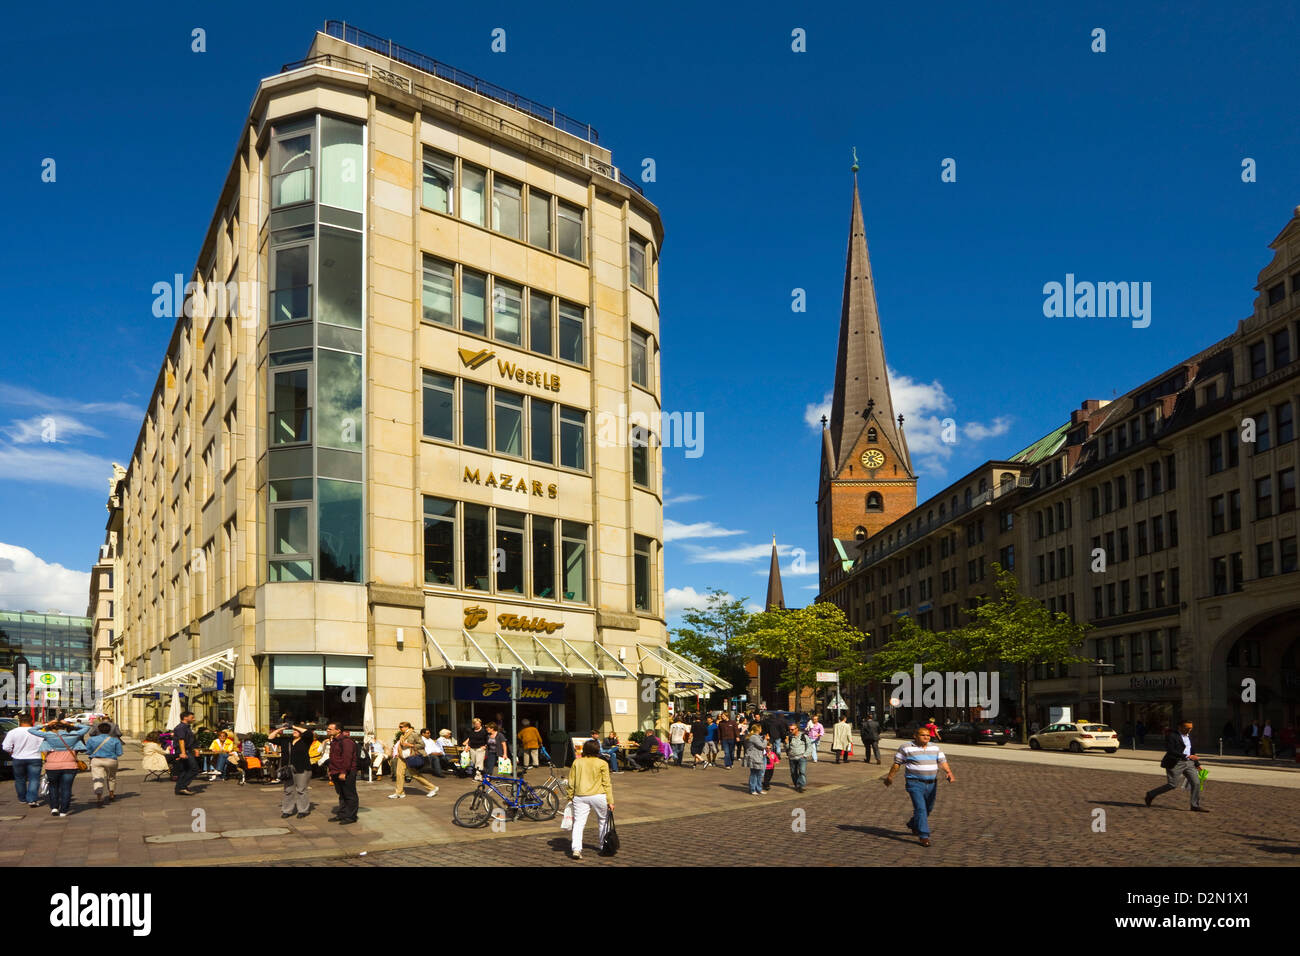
(866, 479)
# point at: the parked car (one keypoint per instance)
(968, 732)
(788, 717)
(1076, 736)
(6, 762)
(908, 730)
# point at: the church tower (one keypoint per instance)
(867, 479)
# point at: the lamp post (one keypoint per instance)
(1101, 665)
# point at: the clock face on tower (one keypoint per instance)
(873, 458)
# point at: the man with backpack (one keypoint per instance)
(797, 749)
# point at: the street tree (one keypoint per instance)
(713, 636)
(806, 640)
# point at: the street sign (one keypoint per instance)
(837, 704)
(47, 679)
(827, 677)
(683, 683)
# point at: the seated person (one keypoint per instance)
(610, 754)
(224, 746)
(155, 758)
(647, 753)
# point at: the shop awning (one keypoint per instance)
(662, 662)
(203, 667)
(493, 652)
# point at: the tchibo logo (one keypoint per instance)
(76, 909)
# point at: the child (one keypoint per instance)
(772, 761)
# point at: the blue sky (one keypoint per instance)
(1117, 166)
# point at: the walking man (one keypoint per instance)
(727, 737)
(677, 738)
(699, 734)
(408, 749)
(1180, 764)
(922, 762)
(343, 771)
(870, 739)
(842, 738)
(25, 748)
(797, 749)
(187, 764)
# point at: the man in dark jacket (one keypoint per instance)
(1180, 764)
(871, 738)
(343, 771)
(727, 738)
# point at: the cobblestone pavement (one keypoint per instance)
(996, 814)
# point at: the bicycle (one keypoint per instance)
(477, 808)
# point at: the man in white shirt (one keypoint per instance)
(25, 748)
(1181, 765)
(432, 752)
(677, 738)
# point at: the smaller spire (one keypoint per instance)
(775, 593)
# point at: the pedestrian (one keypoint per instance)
(774, 727)
(1141, 730)
(62, 744)
(755, 759)
(24, 747)
(1126, 733)
(591, 788)
(530, 742)
(870, 739)
(677, 732)
(496, 749)
(187, 761)
(1252, 739)
(699, 735)
(931, 726)
(711, 744)
(727, 738)
(1229, 733)
(921, 762)
(154, 758)
(797, 748)
(771, 760)
(298, 759)
(815, 731)
(104, 751)
(1266, 737)
(408, 752)
(343, 771)
(476, 742)
(1180, 764)
(841, 738)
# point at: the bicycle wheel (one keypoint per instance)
(473, 809)
(543, 805)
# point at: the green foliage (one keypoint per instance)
(259, 739)
(636, 737)
(203, 740)
(714, 637)
(807, 639)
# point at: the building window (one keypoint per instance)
(290, 405)
(640, 344)
(439, 183)
(641, 441)
(1263, 440)
(438, 294)
(1238, 574)
(568, 220)
(642, 567)
(1216, 515)
(508, 423)
(507, 312)
(290, 541)
(573, 324)
(1140, 484)
(1276, 293)
(290, 294)
(1173, 522)
(542, 423)
(1234, 512)
(1287, 552)
(541, 323)
(476, 547)
(1143, 547)
(291, 163)
(473, 188)
(1264, 560)
(1117, 652)
(573, 438)
(1282, 347)
(474, 416)
(1215, 450)
(1258, 360)
(509, 568)
(338, 530)
(1219, 575)
(1263, 497)
(637, 261)
(1286, 490)
(1158, 533)
(440, 542)
(574, 544)
(1285, 422)
(439, 406)
(473, 302)
(539, 218)
(1158, 584)
(507, 207)
(543, 557)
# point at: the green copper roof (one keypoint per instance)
(1047, 445)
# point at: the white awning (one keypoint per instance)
(537, 656)
(200, 668)
(678, 669)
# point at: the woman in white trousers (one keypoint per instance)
(590, 785)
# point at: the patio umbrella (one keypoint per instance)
(368, 727)
(243, 717)
(174, 712)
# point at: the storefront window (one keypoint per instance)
(314, 688)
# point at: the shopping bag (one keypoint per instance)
(466, 760)
(609, 845)
(45, 786)
(565, 824)
(504, 767)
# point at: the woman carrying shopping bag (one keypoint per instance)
(591, 789)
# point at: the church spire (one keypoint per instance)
(775, 594)
(861, 379)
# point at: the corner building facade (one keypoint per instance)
(402, 465)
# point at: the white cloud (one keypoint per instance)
(676, 531)
(739, 555)
(924, 406)
(812, 587)
(29, 583)
(48, 428)
(808, 567)
(753, 608)
(53, 465)
(677, 600)
(27, 397)
(681, 499)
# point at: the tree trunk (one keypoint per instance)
(1024, 703)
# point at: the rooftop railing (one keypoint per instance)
(547, 114)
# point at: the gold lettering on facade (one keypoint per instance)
(474, 615)
(551, 491)
(509, 482)
(518, 374)
(471, 475)
(515, 622)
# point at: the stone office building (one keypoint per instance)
(384, 472)
(1166, 519)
